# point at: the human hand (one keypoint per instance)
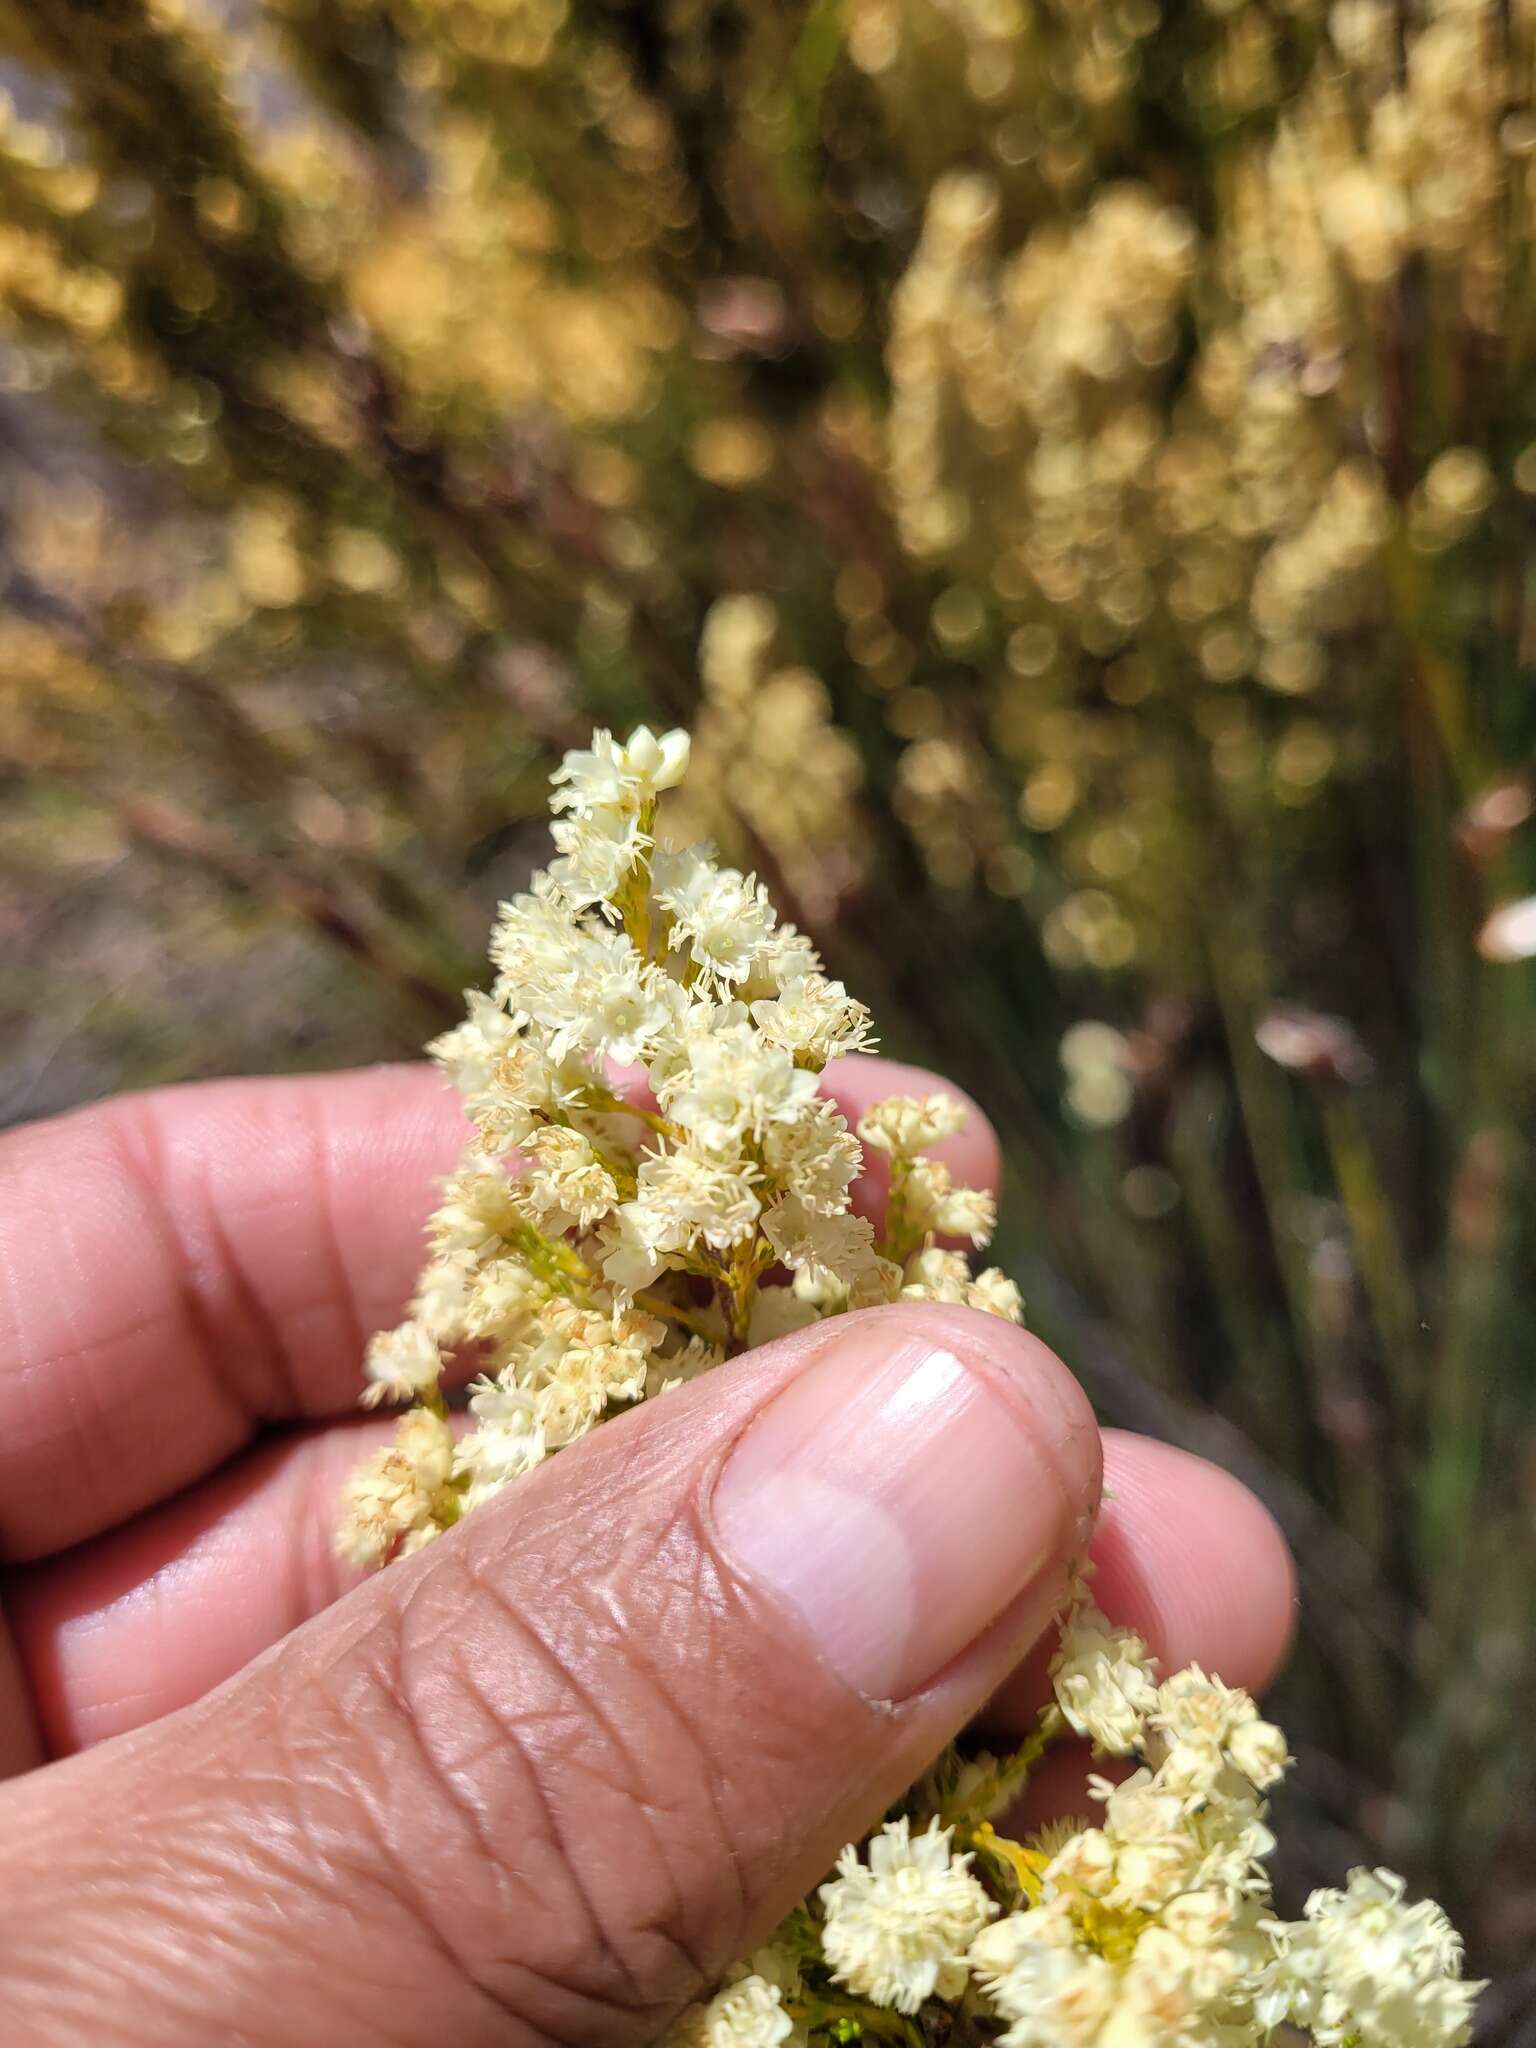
(544, 1781)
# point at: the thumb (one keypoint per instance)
(545, 1781)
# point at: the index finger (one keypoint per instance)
(179, 1267)
(182, 1267)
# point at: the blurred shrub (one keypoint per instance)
(1074, 468)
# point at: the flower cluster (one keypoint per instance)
(1153, 440)
(654, 1181)
(768, 760)
(1150, 1928)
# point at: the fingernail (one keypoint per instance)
(904, 1492)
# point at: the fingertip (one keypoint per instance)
(120, 1632)
(1189, 1556)
(1034, 1380)
(1067, 1420)
(381, 1138)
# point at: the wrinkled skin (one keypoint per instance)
(537, 1785)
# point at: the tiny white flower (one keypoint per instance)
(1205, 1724)
(897, 1927)
(400, 1364)
(476, 1210)
(608, 776)
(787, 955)
(1104, 1680)
(508, 1441)
(993, 1292)
(840, 1248)
(934, 1274)
(909, 1124)
(598, 850)
(687, 1197)
(749, 2014)
(564, 1182)
(814, 1016)
(1085, 1862)
(391, 1495)
(503, 1300)
(816, 1155)
(1259, 1750)
(660, 761)
(1054, 1993)
(470, 1053)
(722, 918)
(935, 1203)
(1364, 1965)
(441, 1303)
(724, 1084)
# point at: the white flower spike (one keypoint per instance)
(600, 1248)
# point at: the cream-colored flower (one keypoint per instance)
(626, 1252)
(584, 1360)
(441, 1303)
(1168, 1840)
(909, 1124)
(1054, 1993)
(720, 919)
(723, 1083)
(393, 1494)
(1175, 1991)
(994, 1293)
(748, 2013)
(503, 1299)
(816, 1156)
(1259, 1750)
(597, 850)
(934, 1274)
(1204, 1724)
(475, 1213)
(508, 1441)
(839, 1248)
(401, 1364)
(935, 1203)
(814, 1017)
(787, 955)
(688, 1196)
(1084, 1862)
(607, 776)
(607, 1002)
(1104, 1681)
(1364, 1965)
(470, 1052)
(898, 1926)
(565, 1184)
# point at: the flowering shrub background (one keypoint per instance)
(1072, 469)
